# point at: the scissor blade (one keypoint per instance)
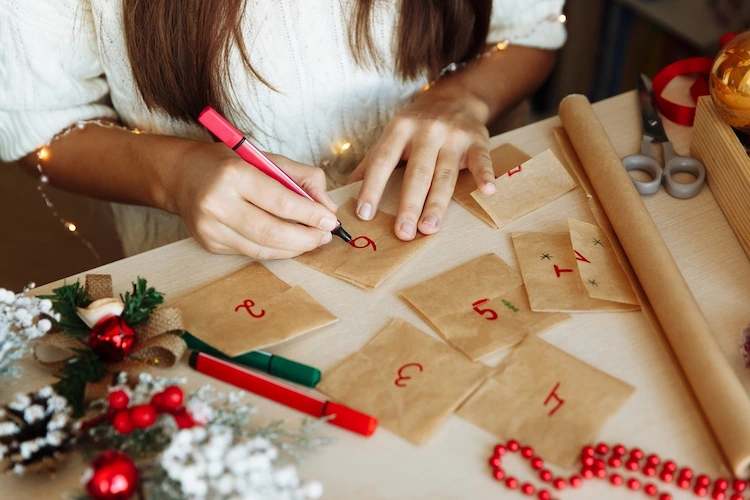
(652, 125)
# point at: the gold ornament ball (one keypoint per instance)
(729, 82)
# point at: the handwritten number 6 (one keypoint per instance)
(481, 312)
(368, 242)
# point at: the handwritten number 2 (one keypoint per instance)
(481, 312)
(248, 306)
(401, 380)
(368, 242)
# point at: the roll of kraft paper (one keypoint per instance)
(720, 394)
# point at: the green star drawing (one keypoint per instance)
(597, 242)
(593, 282)
(510, 306)
(546, 256)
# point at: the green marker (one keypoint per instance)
(264, 361)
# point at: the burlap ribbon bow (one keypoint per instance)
(158, 343)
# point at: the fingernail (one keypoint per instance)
(327, 224)
(430, 220)
(490, 187)
(364, 211)
(408, 227)
(326, 238)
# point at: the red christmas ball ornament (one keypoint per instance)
(173, 397)
(112, 339)
(118, 400)
(143, 416)
(114, 477)
(122, 422)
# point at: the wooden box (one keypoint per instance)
(727, 167)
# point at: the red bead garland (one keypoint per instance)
(598, 462)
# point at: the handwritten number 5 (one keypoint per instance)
(481, 312)
(248, 305)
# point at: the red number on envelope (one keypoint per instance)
(368, 242)
(248, 306)
(493, 314)
(554, 395)
(559, 271)
(514, 171)
(401, 378)
(581, 257)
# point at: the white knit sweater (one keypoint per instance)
(66, 60)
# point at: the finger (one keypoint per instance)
(234, 243)
(311, 179)
(443, 184)
(418, 176)
(269, 195)
(265, 230)
(479, 164)
(377, 168)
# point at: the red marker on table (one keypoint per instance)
(267, 387)
(233, 138)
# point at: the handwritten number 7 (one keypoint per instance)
(492, 314)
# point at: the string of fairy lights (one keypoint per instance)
(43, 153)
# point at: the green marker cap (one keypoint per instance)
(294, 372)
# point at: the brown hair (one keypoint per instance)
(179, 50)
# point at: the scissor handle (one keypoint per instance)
(646, 164)
(675, 164)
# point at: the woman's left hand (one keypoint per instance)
(442, 131)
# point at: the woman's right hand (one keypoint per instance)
(232, 207)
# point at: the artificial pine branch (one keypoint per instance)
(75, 374)
(65, 301)
(140, 305)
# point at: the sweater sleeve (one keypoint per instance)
(533, 23)
(50, 72)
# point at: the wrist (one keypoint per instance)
(164, 170)
(453, 91)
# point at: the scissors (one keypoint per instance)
(653, 131)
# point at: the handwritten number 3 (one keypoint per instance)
(493, 314)
(248, 305)
(400, 381)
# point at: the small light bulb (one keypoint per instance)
(43, 153)
(71, 227)
(137, 132)
(562, 18)
(345, 146)
(502, 45)
(426, 87)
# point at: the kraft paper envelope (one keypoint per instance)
(250, 309)
(504, 158)
(549, 270)
(410, 381)
(370, 263)
(479, 306)
(526, 188)
(547, 399)
(601, 273)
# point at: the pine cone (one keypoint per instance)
(36, 431)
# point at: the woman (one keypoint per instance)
(305, 79)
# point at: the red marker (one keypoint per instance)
(221, 128)
(267, 387)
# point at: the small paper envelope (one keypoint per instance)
(407, 379)
(504, 158)
(547, 399)
(601, 273)
(526, 188)
(367, 263)
(549, 270)
(479, 306)
(250, 309)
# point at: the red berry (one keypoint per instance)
(649, 470)
(513, 445)
(544, 495)
(499, 450)
(615, 479)
(631, 465)
(702, 480)
(614, 462)
(118, 400)
(545, 475)
(636, 454)
(588, 461)
(653, 459)
(527, 452)
(700, 491)
(511, 483)
(686, 472)
(718, 495)
(619, 450)
(495, 462)
(602, 449)
(683, 483)
(575, 482)
(537, 463)
(600, 473)
(670, 466)
(721, 484)
(599, 463)
(739, 485)
(587, 473)
(633, 483)
(173, 397)
(665, 496)
(499, 474)
(587, 451)
(528, 489)
(143, 416)
(559, 483)
(650, 489)
(665, 476)
(122, 422)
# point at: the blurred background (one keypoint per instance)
(609, 43)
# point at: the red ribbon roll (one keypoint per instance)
(684, 115)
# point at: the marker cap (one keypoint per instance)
(349, 419)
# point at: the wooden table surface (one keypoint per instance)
(661, 417)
